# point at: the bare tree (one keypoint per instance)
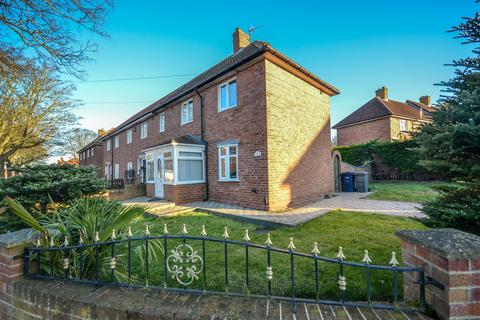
(44, 29)
(71, 141)
(34, 106)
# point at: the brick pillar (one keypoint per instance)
(11, 265)
(452, 259)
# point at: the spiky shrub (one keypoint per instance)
(90, 220)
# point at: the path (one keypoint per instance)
(347, 201)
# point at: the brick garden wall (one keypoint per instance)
(450, 257)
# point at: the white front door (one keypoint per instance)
(159, 178)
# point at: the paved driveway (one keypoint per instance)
(348, 201)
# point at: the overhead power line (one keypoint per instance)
(115, 102)
(139, 78)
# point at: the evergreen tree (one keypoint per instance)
(451, 143)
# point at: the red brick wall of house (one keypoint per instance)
(245, 123)
(364, 132)
(300, 164)
(185, 192)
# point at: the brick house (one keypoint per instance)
(383, 119)
(92, 153)
(253, 130)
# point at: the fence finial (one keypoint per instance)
(184, 229)
(269, 240)
(366, 258)
(130, 233)
(394, 262)
(165, 230)
(203, 232)
(65, 242)
(246, 238)
(225, 233)
(97, 237)
(340, 254)
(38, 243)
(291, 246)
(52, 244)
(147, 230)
(315, 250)
(66, 263)
(114, 236)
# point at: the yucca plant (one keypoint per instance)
(89, 220)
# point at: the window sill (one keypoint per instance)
(228, 180)
(184, 123)
(225, 109)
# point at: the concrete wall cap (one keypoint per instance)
(448, 243)
(17, 238)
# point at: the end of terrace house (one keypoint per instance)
(253, 130)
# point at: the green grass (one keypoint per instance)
(420, 192)
(354, 231)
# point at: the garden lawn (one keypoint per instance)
(411, 191)
(354, 231)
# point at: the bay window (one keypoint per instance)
(190, 166)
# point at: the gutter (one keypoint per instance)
(202, 138)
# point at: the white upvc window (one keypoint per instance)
(144, 130)
(161, 124)
(116, 141)
(228, 162)
(109, 144)
(91, 151)
(187, 112)
(190, 166)
(227, 95)
(129, 136)
(88, 153)
(117, 171)
(108, 170)
(150, 169)
(403, 125)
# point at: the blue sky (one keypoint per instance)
(358, 46)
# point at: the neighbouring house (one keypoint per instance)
(383, 119)
(253, 130)
(71, 162)
(92, 153)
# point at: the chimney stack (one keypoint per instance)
(425, 100)
(382, 93)
(241, 39)
(101, 132)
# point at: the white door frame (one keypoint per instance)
(159, 175)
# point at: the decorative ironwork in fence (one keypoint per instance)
(180, 263)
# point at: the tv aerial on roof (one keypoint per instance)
(253, 28)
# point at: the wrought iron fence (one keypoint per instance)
(180, 263)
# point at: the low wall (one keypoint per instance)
(130, 191)
(451, 260)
